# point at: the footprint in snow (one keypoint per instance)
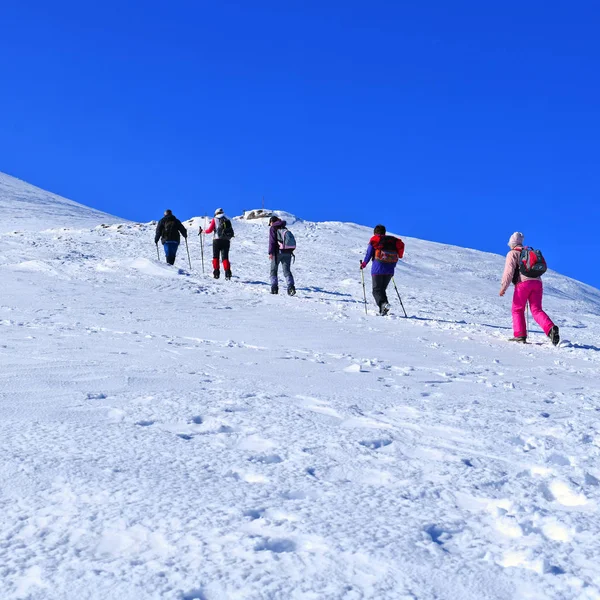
(145, 423)
(276, 545)
(376, 444)
(268, 459)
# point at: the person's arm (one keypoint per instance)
(273, 246)
(400, 248)
(182, 229)
(159, 229)
(510, 266)
(368, 256)
(211, 227)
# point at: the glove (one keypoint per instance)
(362, 265)
(199, 230)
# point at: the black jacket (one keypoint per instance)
(168, 230)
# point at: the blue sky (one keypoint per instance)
(458, 122)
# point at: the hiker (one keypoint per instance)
(384, 250)
(168, 230)
(281, 250)
(223, 232)
(527, 289)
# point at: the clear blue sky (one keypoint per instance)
(458, 122)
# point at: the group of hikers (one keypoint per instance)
(524, 266)
(281, 245)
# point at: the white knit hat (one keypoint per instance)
(516, 239)
(219, 211)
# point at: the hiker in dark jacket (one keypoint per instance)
(168, 230)
(279, 255)
(384, 250)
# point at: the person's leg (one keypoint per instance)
(385, 281)
(286, 264)
(520, 297)
(535, 303)
(225, 245)
(274, 277)
(170, 251)
(215, 260)
(378, 289)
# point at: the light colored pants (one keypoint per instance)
(532, 291)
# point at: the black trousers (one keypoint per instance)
(221, 247)
(380, 283)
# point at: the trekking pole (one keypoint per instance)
(362, 273)
(202, 250)
(188, 252)
(402, 305)
(157, 252)
(527, 308)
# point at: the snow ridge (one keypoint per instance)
(31, 208)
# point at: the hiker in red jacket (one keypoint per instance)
(384, 250)
(223, 232)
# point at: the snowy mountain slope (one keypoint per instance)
(31, 208)
(166, 435)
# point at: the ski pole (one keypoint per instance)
(527, 308)
(402, 305)
(188, 253)
(202, 250)
(362, 273)
(157, 252)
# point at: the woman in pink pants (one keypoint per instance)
(527, 289)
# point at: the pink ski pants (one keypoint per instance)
(532, 291)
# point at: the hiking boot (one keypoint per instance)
(521, 339)
(384, 309)
(553, 335)
(228, 274)
(216, 273)
(274, 289)
(291, 290)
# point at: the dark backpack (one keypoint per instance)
(531, 262)
(225, 229)
(386, 250)
(169, 229)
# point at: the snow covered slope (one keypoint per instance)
(28, 207)
(166, 435)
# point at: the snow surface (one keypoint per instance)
(166, 435)
(27, 207)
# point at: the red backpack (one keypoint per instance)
(531, 262)
(386, 249)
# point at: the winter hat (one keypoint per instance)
(516, 239)
(168, 212)
(273, 219)
(379, 230)
(219, 211)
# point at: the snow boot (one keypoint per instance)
(521, 339)
(384, 309)
(274, 289)
(291, 290)
(554, 336)
(216, 273)
(228, 274)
